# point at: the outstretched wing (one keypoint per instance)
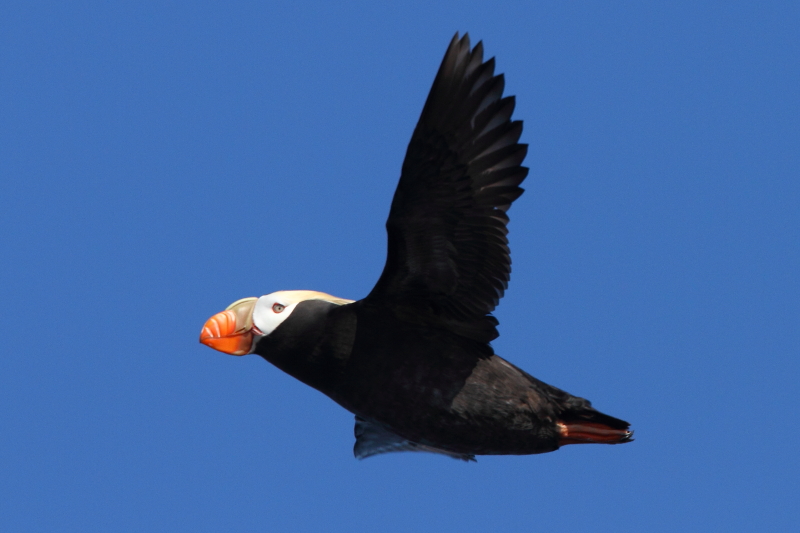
(448, 260)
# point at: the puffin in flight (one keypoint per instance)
(413, 361)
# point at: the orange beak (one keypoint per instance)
(231, 331)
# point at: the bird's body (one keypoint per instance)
(413, 359)
(423, 384)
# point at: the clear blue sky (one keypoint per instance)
(159, 160)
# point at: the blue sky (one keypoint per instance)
(159, 160)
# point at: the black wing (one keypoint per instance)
(448, 260)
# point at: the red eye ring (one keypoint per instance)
(278, 308)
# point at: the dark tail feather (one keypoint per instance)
(590, 427)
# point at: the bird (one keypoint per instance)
(413, 360)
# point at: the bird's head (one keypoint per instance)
(237, 329)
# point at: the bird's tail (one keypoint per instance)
(593, 427)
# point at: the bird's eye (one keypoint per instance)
(278, 307)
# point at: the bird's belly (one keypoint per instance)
(445, 393)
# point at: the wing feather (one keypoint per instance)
(448, 261)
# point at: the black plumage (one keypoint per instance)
(412, 360)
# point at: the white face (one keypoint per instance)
(272, 309)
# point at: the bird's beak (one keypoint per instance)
(232, 330)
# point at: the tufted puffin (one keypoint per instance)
(413, 361)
